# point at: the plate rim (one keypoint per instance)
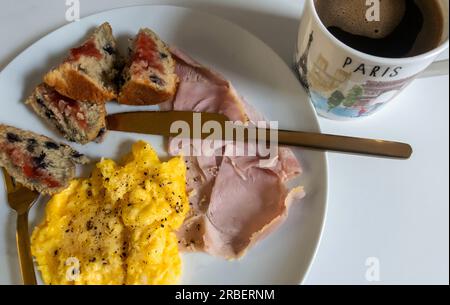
(323, 154)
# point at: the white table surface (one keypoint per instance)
(395, 211)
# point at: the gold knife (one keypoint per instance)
(160, 123)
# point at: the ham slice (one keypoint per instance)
(246, 202)
(234, 200)
(203, 90)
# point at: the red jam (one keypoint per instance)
(67, 106)
(25, 162)
(88, 49)
(51, 182)
(36, 173)
(146, 50)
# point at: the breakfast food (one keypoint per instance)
(80, 122)
(149, 75)
(235, 201)
(127, 222)
(88, 74)
(36, 161)
(116, 227)
(259, 203)
(201, 89)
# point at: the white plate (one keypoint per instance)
(258, 74)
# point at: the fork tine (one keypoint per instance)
(11, 184)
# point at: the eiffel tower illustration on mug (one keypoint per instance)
(302, 64)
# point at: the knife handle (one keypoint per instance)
(24, 250)
(345, 144)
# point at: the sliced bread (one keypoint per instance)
(80, 122)
(149, 76)
(36, 161)
(88, 74)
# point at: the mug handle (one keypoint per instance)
(438, 68)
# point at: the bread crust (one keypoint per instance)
(72, 83)
(58, 119)
(93, 135)
(138, 93)
(144, 84)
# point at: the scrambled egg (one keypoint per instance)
(116, 227)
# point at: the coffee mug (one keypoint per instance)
(344, 83)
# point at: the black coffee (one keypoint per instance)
(405, 27)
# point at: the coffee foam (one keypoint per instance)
(350, 16)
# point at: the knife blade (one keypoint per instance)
(161, 123)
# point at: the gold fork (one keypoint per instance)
(21, 200)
